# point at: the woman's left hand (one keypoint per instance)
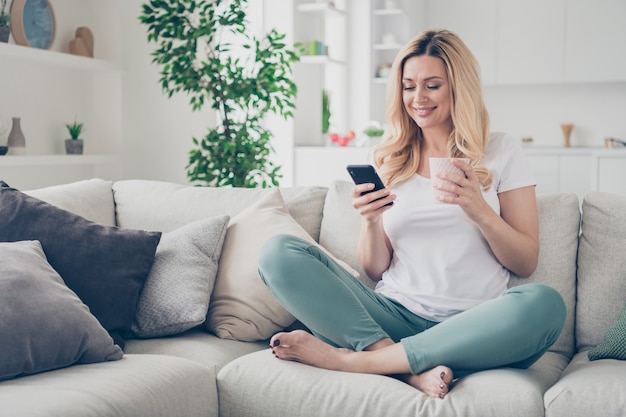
(465, 190)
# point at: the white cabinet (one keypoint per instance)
(48, 88)
(539, 42)
(531, 39)
(546, 171)
(578, 170)
(476, 23)
(595, 54)
(609, 171)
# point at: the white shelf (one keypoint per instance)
(59, 59)
(322, 8)
(388, 12)
(319, 59)
(52, 160)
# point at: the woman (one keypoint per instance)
(441, 308)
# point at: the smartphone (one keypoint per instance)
(362, 174)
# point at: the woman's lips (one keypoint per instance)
(424, 111)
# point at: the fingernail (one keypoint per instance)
(441, 386)
(441, 396)
(442, 375)
(277, 342)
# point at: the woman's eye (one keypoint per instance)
(433, 87)
(408, 88)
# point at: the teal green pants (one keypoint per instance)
(512, 330)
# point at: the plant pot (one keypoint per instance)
(5, 31)
(74, 146)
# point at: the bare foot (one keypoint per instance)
(435, 382)
(301, 346)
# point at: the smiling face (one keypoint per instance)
(426, 94)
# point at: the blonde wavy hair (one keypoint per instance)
(398, 154)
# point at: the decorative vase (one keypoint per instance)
(5, 31)
(566, 128)
(74, 146)
(16, 141)
(5, 128)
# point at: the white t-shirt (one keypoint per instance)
(442, 264)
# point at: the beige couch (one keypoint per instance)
(196, 373)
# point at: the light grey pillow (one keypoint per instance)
(176, 294)
(44, 325)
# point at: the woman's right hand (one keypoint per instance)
(371, 204)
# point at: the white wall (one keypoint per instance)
(157, 130)
(597, 110)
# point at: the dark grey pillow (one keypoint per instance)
(105, 266)
(44, 325)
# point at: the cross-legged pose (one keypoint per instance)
(441, 308)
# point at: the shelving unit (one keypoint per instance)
(48, 88)
(326, 23)
(389, 32)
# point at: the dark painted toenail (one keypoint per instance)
(441, 386)
(442, 375)
(441, 396)
(277, 342)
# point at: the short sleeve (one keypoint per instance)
(508, 163)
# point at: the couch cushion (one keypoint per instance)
(197, 345)
(43, 324)
(601, 267)
(135, 386)
(176, 294)
(241, 306)
(105, 266)
(155, 205)
(341, 226)
(91, 199)
(559, 225)
(275, 387)
(588, 389)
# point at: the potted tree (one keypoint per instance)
(205, 50)
(5, 23)
(74, 145)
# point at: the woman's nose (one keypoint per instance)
(419, 95)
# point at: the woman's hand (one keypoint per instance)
(371, 204)
(466, 191)
(513, 233)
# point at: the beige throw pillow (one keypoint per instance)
(241, 306)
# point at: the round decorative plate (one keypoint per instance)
(32, 23)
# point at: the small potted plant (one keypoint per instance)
(374, 131)
(5, 23)
(74, 145)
